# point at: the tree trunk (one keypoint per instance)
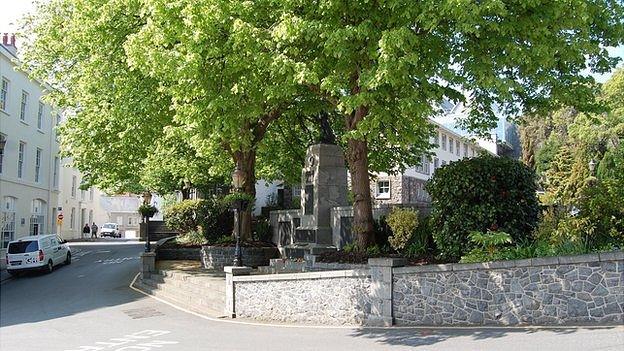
(246, 162)
(357, 158)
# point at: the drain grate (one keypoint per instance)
(145, 312)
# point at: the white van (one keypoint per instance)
(39, 252)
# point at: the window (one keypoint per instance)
(56, 172)
(8, 220)
(383, 189)
(473, 152)
(40, 116)
(73, 187)
(37, 219)
(38, 165)
(132, 221)
(465, 150)
(3, 145)
(451, 145)
(23, 106)
(54, 216)
(444, 142)
(90, 216)
(20, 159)
(457, 147)
(58, 119)
(443, 163)
(4, 93)
(72, 218)
(91, 193)
(423, 167)
(436, 163)
(436, 139)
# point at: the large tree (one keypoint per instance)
(385, 64)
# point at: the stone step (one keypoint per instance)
(188, 289)
(205, 309)
(210, 300)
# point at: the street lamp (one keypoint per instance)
(237, 205)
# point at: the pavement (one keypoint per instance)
(88, 305)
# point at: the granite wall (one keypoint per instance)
(327, 298)
(572, 290)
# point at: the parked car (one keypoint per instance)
(36, 253)
(110, 229)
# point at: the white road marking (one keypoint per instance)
(103, 251)
(139, 341)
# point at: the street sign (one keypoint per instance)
(59, 217)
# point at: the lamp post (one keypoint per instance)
(237, 182)
(147, 199)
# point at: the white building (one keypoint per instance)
(35, 183)
(408, 187)
(29, 163)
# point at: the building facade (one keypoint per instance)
(29, 163)
(408, 187)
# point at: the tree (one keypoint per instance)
(217, 61)
(114, 114)
(384, 65)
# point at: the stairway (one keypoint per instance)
(200, 292)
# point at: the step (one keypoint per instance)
(209, 310)
(189, 294)
(189, 300)
(192, 285)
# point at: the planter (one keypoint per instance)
(217, 257)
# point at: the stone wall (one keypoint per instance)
(327, 298)
(181, 253)
(217, 257)
(572, 290)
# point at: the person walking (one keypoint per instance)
(86, 230)
(94, 229)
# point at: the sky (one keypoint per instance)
(12, 10)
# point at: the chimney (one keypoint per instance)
(8, 41)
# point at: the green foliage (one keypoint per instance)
(231, 198)
(208, 216)
(350, 247)
(263, 229)
(146, 210)
(478, 194)
(416, 250)
(489, 246)
(192, 238)
(403, 223)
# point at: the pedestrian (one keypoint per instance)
(86, 230)
(94, 229)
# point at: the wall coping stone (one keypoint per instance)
(234, 270)
(531, 262)
(387, 262)
(352, 273)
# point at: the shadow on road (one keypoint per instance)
(425, 336)
(94, 281)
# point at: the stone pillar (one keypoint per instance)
(381, 290)
(148, 264)
(230, 294)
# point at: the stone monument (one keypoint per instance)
(323, 186)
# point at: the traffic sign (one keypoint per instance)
(59, 217)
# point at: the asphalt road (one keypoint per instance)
(88, 306)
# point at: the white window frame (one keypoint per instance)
(444, 142)
(457, 147)
(73, 187)
(2, 138)
(383, 189)
(38, 154)
(465, 150)
(72, 218)
(451, 145)
(40, 116)
(7, 230)
(4, 94)
(21, 157)
(55, 172)
(436, 163)
(23, 106)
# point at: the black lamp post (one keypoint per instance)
(237, 205)
(147, 199)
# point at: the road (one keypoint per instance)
(88, 306)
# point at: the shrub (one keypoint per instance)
(263, 229)
(489, 246)
(403, 223)
(209, 216)
(192, 238)
(478, 194)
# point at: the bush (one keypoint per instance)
(478, 194)
(192, 238)
(209, 216)
(403, 223)
(489, 246)
(263, 229)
